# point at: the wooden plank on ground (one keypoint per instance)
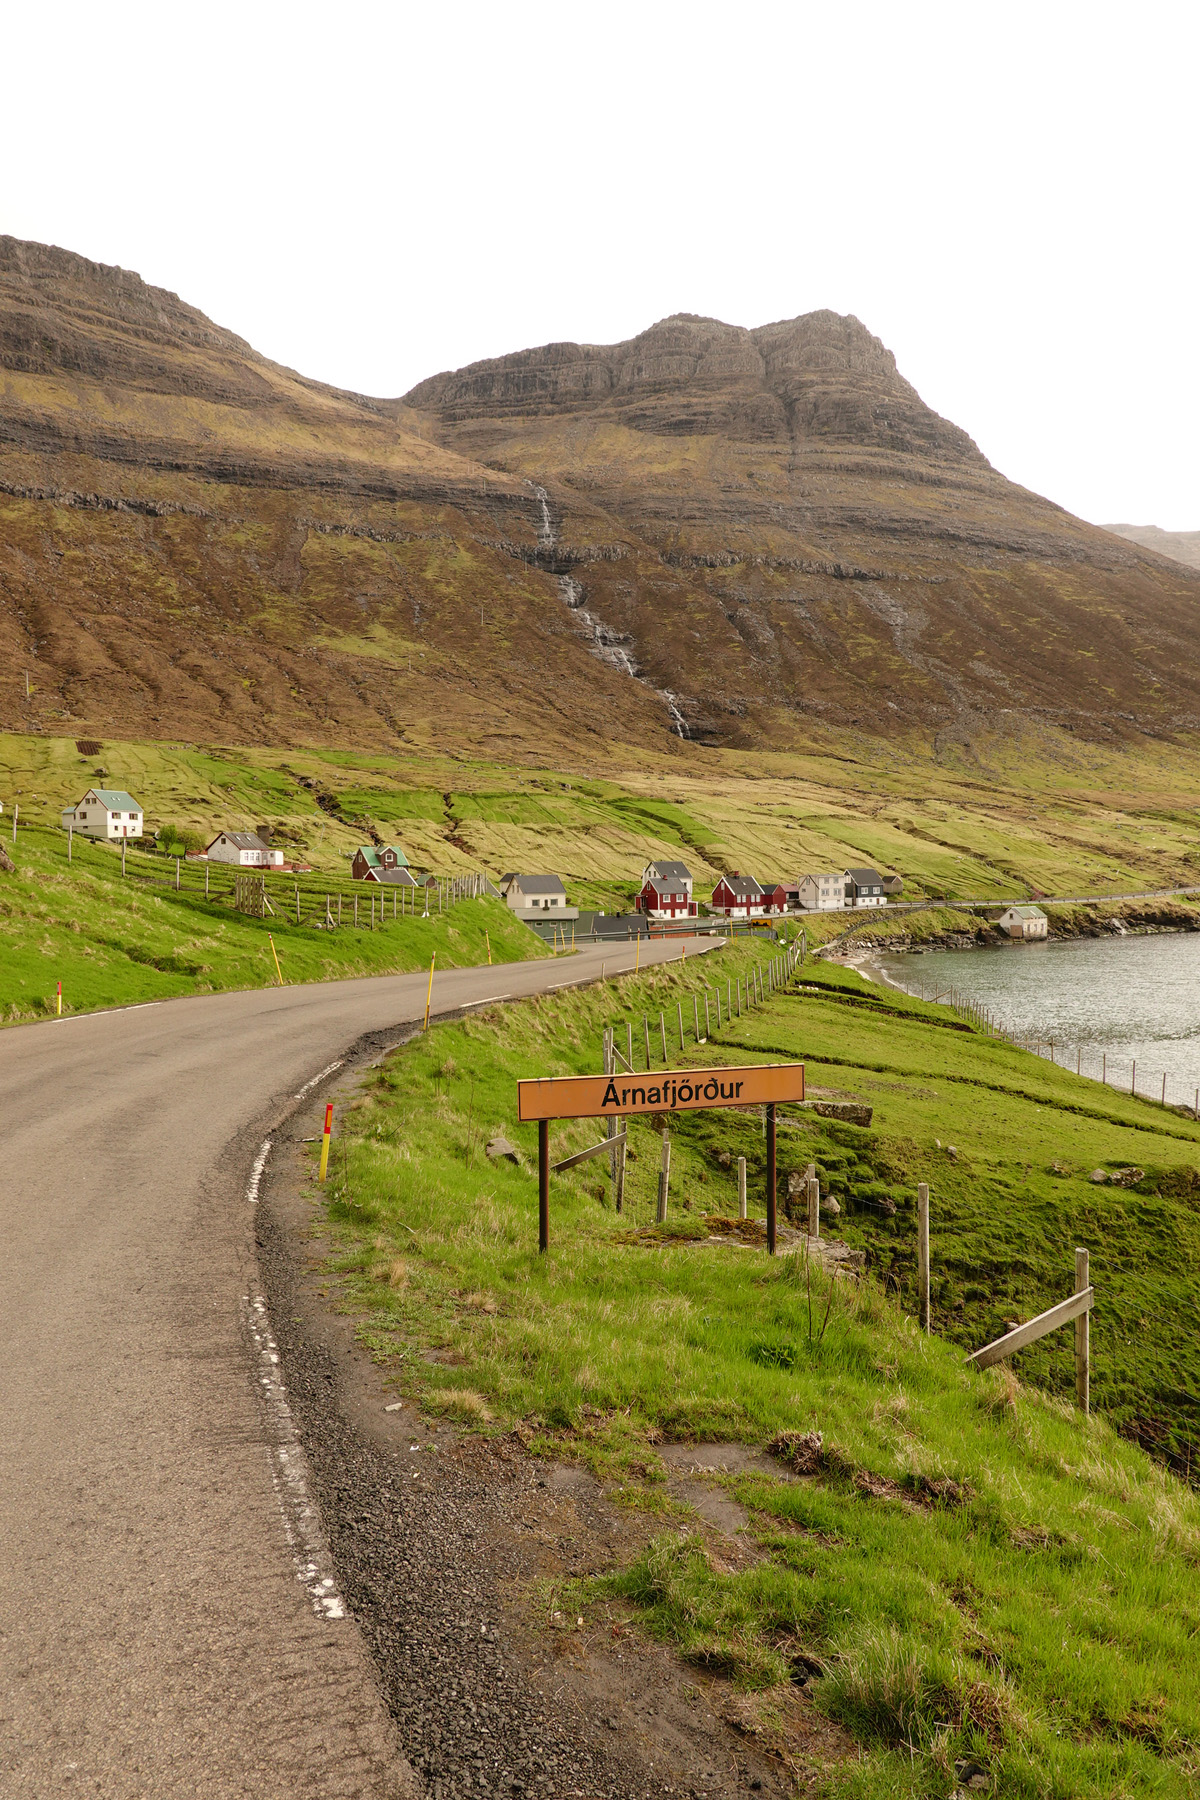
(568, 1162)
(1062, 1314)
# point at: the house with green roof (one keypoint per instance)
(1024, 922)
(388, 863)
(109, 814)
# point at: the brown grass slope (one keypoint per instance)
(787, 532)
(196, 542)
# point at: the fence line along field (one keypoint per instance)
(112, 938)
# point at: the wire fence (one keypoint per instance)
(1117, 1072)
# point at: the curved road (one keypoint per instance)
(154, 1639)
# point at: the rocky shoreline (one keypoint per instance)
(1136, 919)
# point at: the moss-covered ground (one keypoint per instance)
(977, 1571)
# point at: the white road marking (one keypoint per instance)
(260, 1163)
(490, 1001)
(309, 1085)
(289, 1472)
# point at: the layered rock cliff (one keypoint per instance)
(753, 537)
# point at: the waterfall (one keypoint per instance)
(601, 641)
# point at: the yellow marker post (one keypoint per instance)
(487, 940)
(60, 999)
(429, 995)
(274, 953)
(325, 1136)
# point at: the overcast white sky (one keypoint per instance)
(1006, 195)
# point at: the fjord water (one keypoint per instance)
(1121, 999)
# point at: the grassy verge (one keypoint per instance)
(960, 1566)
(113, 941)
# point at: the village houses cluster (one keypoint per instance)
(666, 893)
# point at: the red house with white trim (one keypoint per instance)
(738, 897)
(665, 898)
(775, 898)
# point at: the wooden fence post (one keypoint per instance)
(707, 1016)
(771, 1214)
(619, 1200)
(814, 1207)
(679, 1009)
(923, 1251)
(1083, 1336)
(646, 1029)
(664, 1176)
(741, 1187)
(662, 1026)
(696, 1014)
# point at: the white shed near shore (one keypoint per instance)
(1024, 922)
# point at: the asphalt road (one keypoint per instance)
(154, 1638)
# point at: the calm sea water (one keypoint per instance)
(1106, 1001)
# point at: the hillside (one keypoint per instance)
(825, 1513)
(749, 537)
(1182, 546)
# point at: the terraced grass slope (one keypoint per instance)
(957, 1566)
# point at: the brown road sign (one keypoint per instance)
(659, 1091)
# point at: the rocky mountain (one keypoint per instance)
(1181, 546)
(748, 537)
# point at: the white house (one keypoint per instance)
(245, 848)
(108, 813)
(822, 892)
(1024, 922)
(537, 896)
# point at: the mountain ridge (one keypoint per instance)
(751, 536)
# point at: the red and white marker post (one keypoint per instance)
(325, 1136)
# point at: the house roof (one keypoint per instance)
(397, 877)
(865, 877)
(742, 887)
(671, 871)
(1025, 912)
(371, 855)
(241, 840)
(116, 799)
(664, 884)
(539, 884)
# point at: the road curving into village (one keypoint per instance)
(154, 1638)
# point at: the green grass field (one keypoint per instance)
(114, 940)
(977, 1570)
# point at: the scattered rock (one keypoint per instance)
(830, 1206)
(952, 1152)
(850, 1112)
(6, 862)
(500, 1147)
(1098, 1175)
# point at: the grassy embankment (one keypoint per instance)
(113, 941)
(978, 1571)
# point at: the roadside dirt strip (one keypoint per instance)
(164, 1630)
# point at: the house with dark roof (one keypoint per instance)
(666, 897)
(370, 864)
(675, 876)
(864, 887)
(246, 849)
(738, 897)
(107, 813)
(774, 897)
(537, 896)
